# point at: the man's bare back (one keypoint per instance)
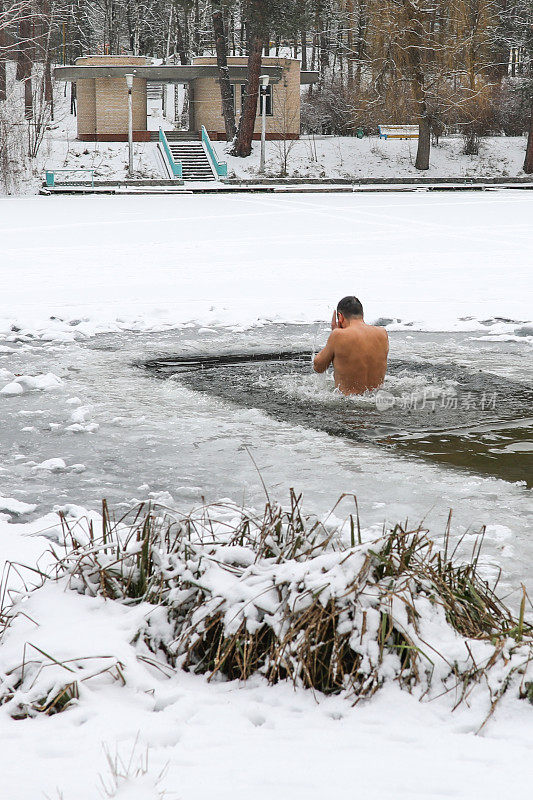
(358, 351)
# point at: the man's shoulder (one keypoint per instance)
(380, 330)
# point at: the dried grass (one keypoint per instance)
(282, 594)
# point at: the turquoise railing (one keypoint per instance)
(221, 168)
(50, 175)
(175, 166)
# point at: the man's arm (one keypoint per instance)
(326, 356)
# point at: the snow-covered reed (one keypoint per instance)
(229, 592)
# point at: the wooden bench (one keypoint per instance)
(398, 131)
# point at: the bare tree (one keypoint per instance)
(228, 107)
(528, 162)
(287, 116)
(3, 53)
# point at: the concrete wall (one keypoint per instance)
(103, 102)
(285, 122)
(86, 106)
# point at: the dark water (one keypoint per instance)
(463, 417)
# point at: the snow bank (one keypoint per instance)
(230, 592)
(193, 732)
(52, 465)
(21, 384)
(14, 506)
(57, 465)
(371, 157)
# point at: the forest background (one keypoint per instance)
(447, 65)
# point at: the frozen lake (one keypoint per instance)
(93, 288)
(440, 261)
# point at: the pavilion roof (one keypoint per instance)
(178, 73)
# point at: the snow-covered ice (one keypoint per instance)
(77, 266)
(17, 507)
(31, 383)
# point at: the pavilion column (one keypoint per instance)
(192, 106)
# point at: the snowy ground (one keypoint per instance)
(109, 160)
(154, 275)
(371, 157)
(320, 157)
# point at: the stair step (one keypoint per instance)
(176, 136)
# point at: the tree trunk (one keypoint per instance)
(24, 64)
(322, 39)
(350, 55)
(361, 40)
(241, 37)
(3, 77)
(197, 23)
(3, 58)
(243, 143)
(228, 110)
(416, 43)
(528, 163)
(304, 48)
(180, 40)
(48, 89)
(424, 144)
(186, 35)
(23, 52)
(28, 99)
(48, 19)
(73, 109)
(233, 42)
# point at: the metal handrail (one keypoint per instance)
(221, 168)
(50, 175)
(175, 166)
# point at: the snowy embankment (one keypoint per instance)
(323, 157)
(87, 660)
(311, 156)
(73, 267)
(372, 157)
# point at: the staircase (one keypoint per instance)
(194, 160)
(154, 91)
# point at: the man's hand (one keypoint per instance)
(323, 359)
(334, 323)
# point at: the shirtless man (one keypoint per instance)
(358, 351)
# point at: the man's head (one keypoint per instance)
(349, 308)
